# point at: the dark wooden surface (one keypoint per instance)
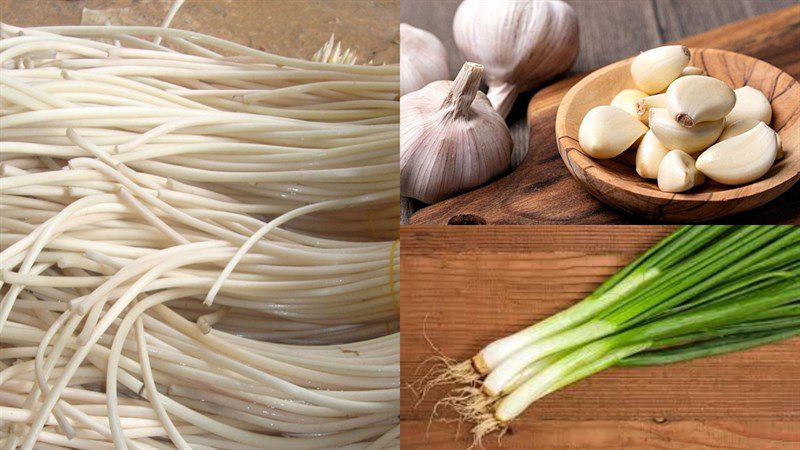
(610, 30)
(468, 286)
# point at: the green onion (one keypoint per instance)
(702, 291)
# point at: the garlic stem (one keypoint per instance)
(462, 93)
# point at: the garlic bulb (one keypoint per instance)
(521, 43)
(750, 104)
(677, 172)
(643, 106)
(649, 155)
(675, 136)
(655, 69)
(740, 159)
(451, 139)
(423, 59)
(695, 98)
(607, 131)
(627, 99)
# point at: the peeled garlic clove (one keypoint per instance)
(655, 69)
(521, 43)
(607, 131)
(626, 100)
(643, 106)
(451, 139)
(736, 128)
(423, 59)
(692, 70)
(694, 99)
(675, 136)
(740, 159)
(649, 155)
(677, 172)
(751, 104)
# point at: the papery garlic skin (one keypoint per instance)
(451, 139)
(653, 101)
(649, 155)
(627, 99)
(607, 131)
(740, 159)
(521, 43)
(677, 172)
(655, 69)
(695, 98)
(751, 104)
(423, 59)
(675, 136)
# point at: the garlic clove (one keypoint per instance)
(607, 131)
(649, 155)
(626, 100)
(655, 69)
(693, 99)
(521, 43)
(751, 104)
(736, 128)
(779, 144)
(677, 172)
(692, 70)
(675, 136)
(740, 159)
(643, 106)
(451, 139)
(423, 59)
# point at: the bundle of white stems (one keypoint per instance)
(198, 244)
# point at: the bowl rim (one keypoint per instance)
(573, 155)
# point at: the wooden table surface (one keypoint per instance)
(610, 30)
(295, 28)
(471, 285)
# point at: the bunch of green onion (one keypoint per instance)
(702, 291)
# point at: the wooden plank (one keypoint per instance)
(466, 286)
(541, 190)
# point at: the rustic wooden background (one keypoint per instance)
(295, 28)
(610, 30)
(468, 286)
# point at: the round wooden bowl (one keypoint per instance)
(615, 181)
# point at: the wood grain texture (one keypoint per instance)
(546, 193)
(615, 181)
(467, 286)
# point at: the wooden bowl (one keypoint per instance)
(615, 181)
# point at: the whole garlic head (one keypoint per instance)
(423, 59)
(451, 139)
(521, 43)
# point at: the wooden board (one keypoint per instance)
(470, 285)
(541, 190)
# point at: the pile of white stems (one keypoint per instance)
(198, 244)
